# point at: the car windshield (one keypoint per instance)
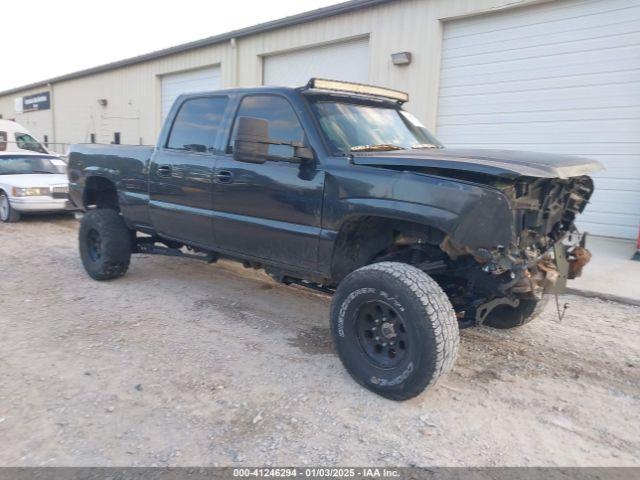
(355, 127)
(21, 164)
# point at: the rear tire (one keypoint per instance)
(7, 213)
(505, 317)
(394, 329)
(105, 244)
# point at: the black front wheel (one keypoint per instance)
(394, 329)
(105, 244)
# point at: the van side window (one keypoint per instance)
(3, 141)
(197, 124)
(27, 142)
(283, 122)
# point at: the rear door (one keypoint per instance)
(269, 211)
(181, 171)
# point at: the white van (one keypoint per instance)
(17, 139)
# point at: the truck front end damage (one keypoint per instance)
(546, 249)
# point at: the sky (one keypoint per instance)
(47, 38)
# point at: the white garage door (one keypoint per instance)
(562, 77)
(193, 81)
(338, 61)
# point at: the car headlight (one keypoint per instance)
(30, 192)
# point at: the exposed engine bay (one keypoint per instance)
(546, 251)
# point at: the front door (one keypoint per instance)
(181, 172)
(269, 211)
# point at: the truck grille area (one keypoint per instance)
(545, 209)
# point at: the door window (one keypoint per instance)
(3, 141)
(283, 122)
(197, 124)
(27, 142)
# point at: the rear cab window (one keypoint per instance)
(3, 141)
(198, 124)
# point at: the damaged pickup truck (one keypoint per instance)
(335, 187)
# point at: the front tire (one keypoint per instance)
(105, 244)
(505, 317)
(7, 212)
(394, 329)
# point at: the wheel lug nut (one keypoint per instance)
(377, 338)
(377, 320)
(384, 344)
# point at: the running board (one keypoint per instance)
(151, 249)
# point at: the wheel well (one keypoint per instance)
(364, 240)
(100, 193)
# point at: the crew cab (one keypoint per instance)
(334, 186)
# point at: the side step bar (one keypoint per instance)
(152, 249)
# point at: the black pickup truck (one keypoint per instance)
(334, 186)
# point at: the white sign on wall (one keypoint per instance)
(18, 105)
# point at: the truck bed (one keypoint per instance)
(125, 165)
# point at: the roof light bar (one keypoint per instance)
(360, 88)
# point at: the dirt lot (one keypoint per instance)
(183, 363)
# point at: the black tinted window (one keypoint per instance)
(197, 124)
(283, 122)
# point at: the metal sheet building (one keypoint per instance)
(560, 76)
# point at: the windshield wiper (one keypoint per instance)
(375, 148)
(41, 171)
(425, 145)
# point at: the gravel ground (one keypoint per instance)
(184, 363)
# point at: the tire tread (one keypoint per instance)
(437, 311)
(117, 239)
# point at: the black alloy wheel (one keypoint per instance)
(382, 334)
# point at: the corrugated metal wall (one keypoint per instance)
(133, 92)
(39, 123)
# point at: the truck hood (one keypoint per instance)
(501, 163)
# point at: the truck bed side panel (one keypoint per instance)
(124, 166)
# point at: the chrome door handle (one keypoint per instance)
(164, 171)
(224, 176)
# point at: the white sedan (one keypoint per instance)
(32, 182)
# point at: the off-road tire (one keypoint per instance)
(505, 317)
(110, 259)
(426, 318)
(7, 212)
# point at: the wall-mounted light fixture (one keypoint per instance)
(401, 58)
(102, 102)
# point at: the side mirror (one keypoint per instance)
(252, 140)
(252, 144)
(303, 151)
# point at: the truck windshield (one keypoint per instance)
(352, 127)
(24, 164)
